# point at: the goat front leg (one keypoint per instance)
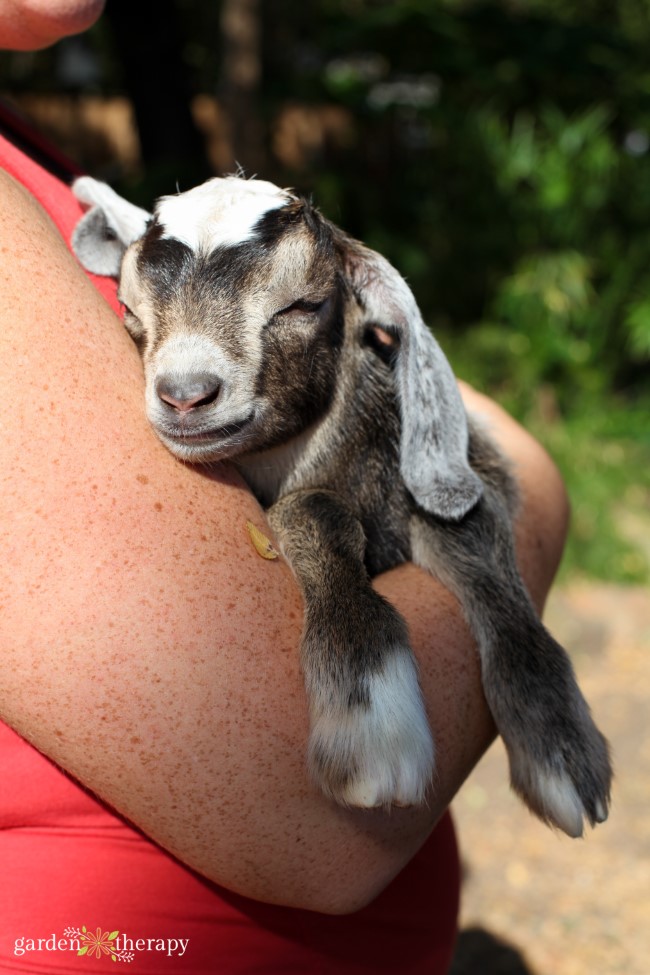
(370, 743)
(559, 761)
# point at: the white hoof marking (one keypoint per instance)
(388, 742)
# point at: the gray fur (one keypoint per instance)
(109, 226)
(265, 350)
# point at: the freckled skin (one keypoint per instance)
(115, 632)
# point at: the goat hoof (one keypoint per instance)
(379, 752)
(571, 784)
(380, 786)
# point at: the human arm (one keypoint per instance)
(29, 25)
(148, 649)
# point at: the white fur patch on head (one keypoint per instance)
(221, 212)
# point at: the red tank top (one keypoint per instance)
(74, 875)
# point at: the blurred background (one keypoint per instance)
(499, 154)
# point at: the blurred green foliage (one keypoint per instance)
(501, 160)
(499, 154)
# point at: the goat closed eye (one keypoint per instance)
(301, 307)
(128, 313)
(132, 324)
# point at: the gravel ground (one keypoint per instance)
(535, 901)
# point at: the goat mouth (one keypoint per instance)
(181, 437)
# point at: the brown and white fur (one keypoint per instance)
(272, 339)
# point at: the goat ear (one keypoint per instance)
(434, 437)
(106, 230)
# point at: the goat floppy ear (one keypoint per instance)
(434, 437)
(106, 230)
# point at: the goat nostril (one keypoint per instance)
(189, 393)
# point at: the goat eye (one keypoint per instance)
(302, 307)
(133, 325)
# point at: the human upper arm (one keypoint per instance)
(147, 648)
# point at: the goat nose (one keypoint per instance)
(190, 392)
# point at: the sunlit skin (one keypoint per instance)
(29, 25)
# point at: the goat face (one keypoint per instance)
(251, 310)
(240, 324)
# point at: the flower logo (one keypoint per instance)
(98, 944)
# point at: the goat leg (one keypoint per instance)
(370, 743)
(559, 761)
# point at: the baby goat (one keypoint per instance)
(272, 339)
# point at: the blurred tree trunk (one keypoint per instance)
(240, 82)
(149, 41)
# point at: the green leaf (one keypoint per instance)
(113, 935)
(82, 951)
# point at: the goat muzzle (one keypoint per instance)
(189, 392)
